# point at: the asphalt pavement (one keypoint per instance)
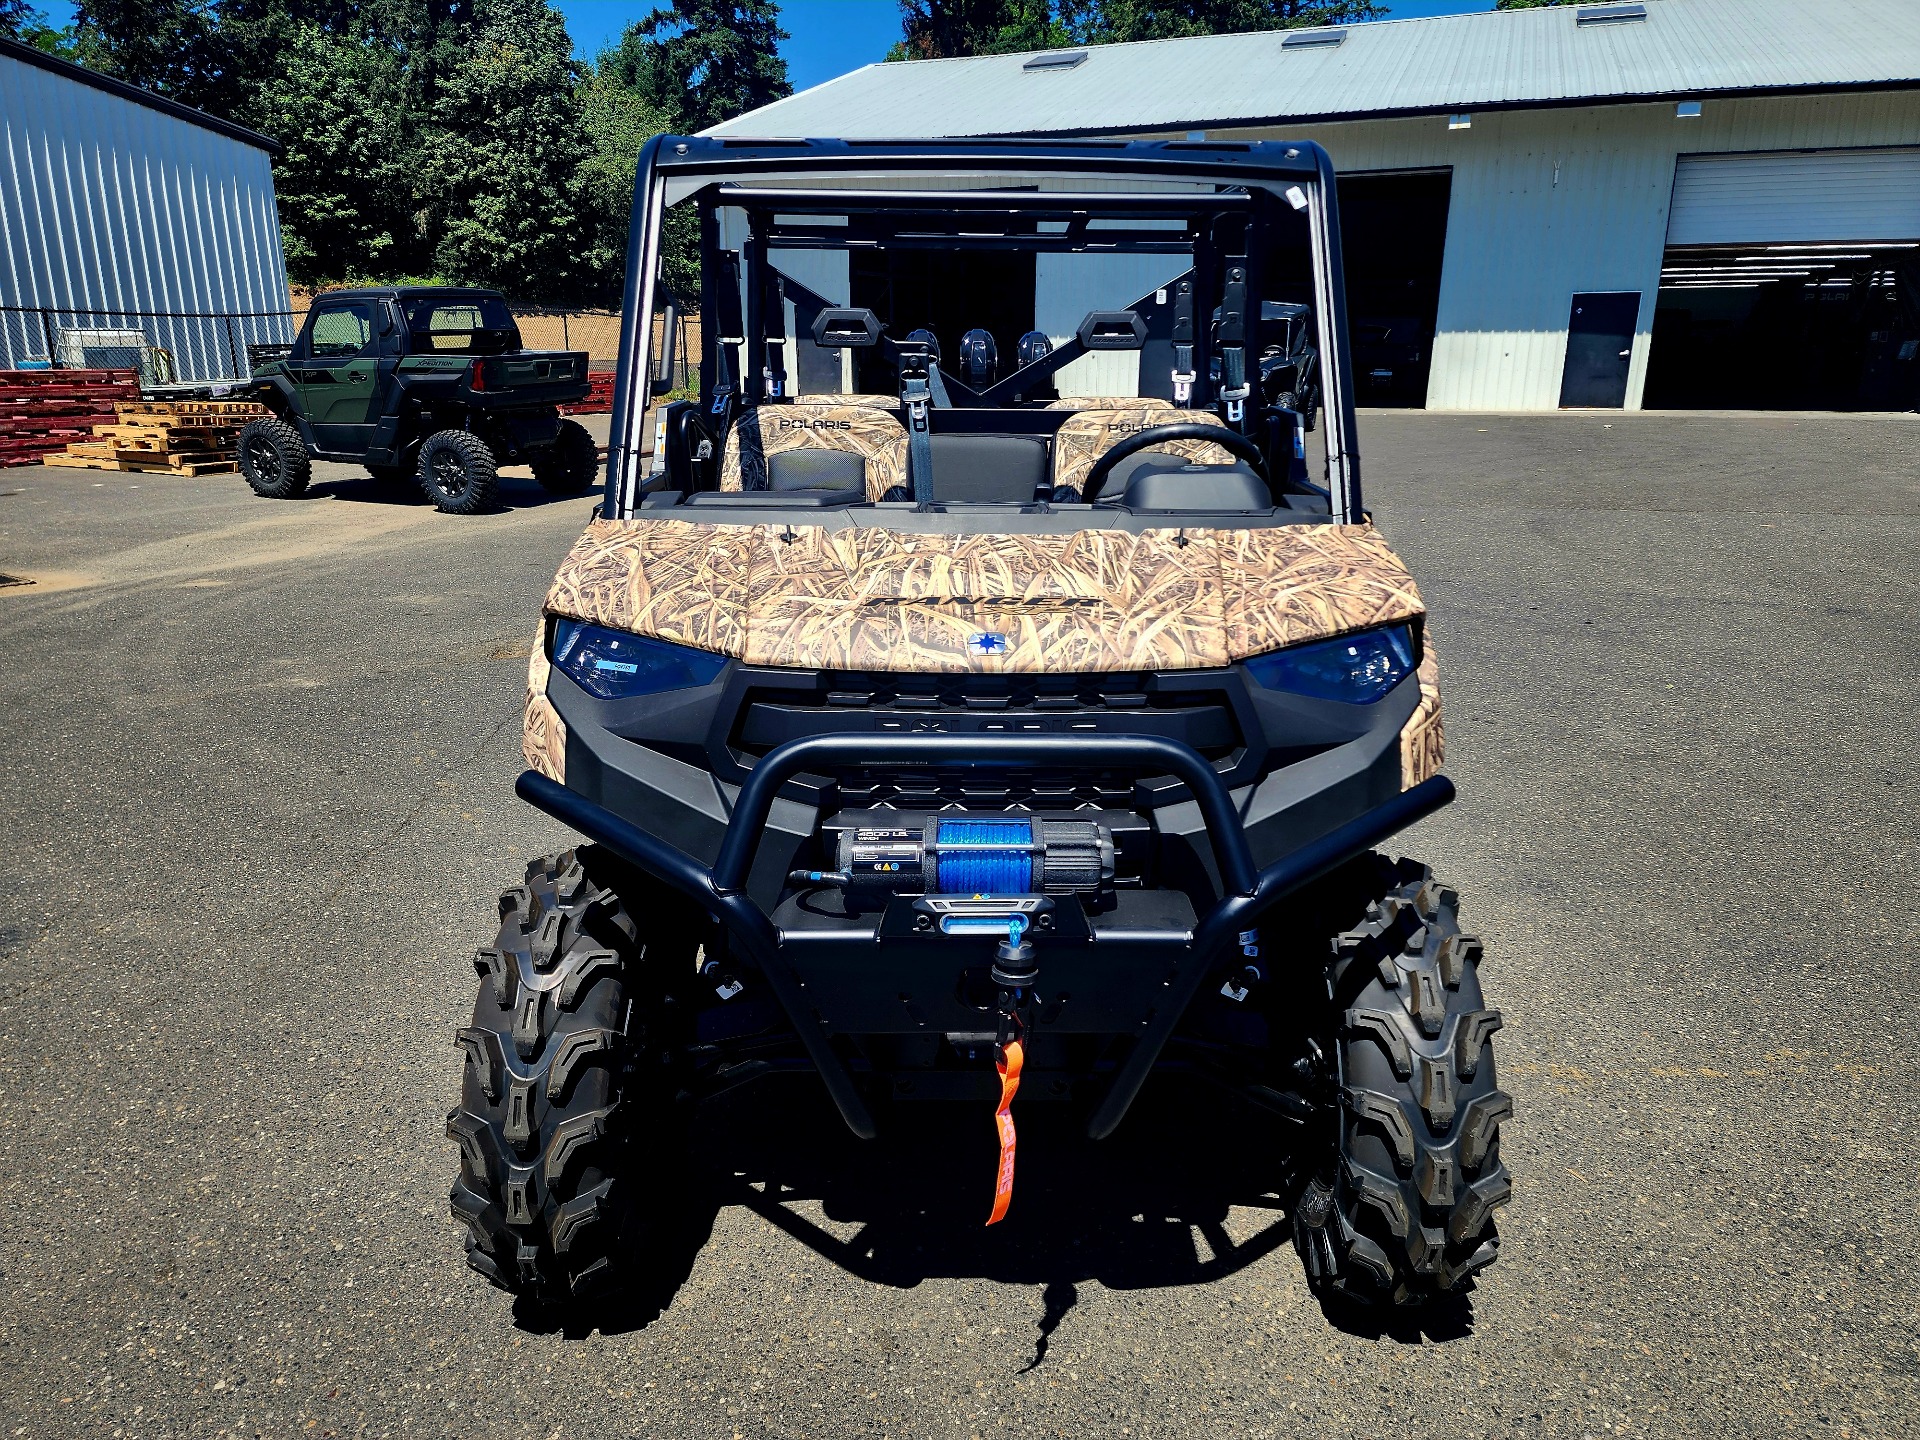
(258, 803)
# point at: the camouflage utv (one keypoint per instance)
(935, 733)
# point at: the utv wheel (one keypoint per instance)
(458, 472)
(274, 459)
(564, 1064)
(572, 464)
(1403, 1214)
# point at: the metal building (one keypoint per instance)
(1676, 203)
(133, 230)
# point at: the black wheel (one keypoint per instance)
(274, 458)
(458, 472)
(1401, 1212)
(572, 464)
(565, 1062)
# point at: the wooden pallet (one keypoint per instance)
(191, 411)
(148, 464)
(166, 438)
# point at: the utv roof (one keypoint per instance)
(405, 292)
(1264, 162)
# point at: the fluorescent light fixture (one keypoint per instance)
(1687, 110)
(1059, 60)
(1459, 122)
(1307, 39)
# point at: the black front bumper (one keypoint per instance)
(1194, 950)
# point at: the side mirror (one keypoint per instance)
(1113, 330)
(846, 329)
(663, 370)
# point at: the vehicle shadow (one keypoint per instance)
(1190, 1191)
(517, 492)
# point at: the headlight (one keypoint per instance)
(1358, 669)
(617, 666)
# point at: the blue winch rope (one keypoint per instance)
(989, 869)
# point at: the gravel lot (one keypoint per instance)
(258, 804)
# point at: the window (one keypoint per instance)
(341, 332)
(462, 324)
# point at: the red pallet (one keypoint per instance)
(69, 377)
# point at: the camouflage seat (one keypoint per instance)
(1088, 434)
(1109, 402)
(761, 434)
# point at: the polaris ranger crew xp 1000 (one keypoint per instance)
(939, 728)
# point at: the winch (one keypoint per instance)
(977, 855)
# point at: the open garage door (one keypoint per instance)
(1791, 282)
(1393, 234)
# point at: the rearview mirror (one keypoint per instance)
(663, 370)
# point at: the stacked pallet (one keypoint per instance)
(42, 411)
(167, 437)
(599, 399)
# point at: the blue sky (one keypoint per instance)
(830, 37)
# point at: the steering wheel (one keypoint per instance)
(1231, 440)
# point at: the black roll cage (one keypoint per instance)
(762, 174)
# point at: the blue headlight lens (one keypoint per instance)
(617, 666)
(1358, 669)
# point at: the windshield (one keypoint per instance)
(945, 337)
(462, 325)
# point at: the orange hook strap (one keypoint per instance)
(1007, 1062)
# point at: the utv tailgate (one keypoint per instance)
(546, 377)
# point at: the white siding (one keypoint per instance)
(109, 205)
(1547, 204)
(1802, 195)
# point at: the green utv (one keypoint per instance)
(427, 383)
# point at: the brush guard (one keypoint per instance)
(1247, 890)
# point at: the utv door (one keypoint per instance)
(336, 368)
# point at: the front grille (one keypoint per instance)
(1200, 715)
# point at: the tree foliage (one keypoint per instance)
(938, 29)
(448, 139)
(713, 59)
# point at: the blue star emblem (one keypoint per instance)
(986, 643)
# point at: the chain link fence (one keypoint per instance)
(192, 347)
(165, 346)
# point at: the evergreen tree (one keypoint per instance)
(711, 60)
(500, 153)
(336, 104)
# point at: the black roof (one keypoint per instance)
(27, 55)
(404, 292)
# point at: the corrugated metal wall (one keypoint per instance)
(109, 206)
(1548, 204)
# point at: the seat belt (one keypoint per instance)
(774, 373)
(915, 392)
(1233, 340)
(733, 331)
(1183, 373)
(936, 387)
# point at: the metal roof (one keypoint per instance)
(66, 69)
(1496, 60)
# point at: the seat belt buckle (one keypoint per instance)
(1236, 399)
(1183, 386)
